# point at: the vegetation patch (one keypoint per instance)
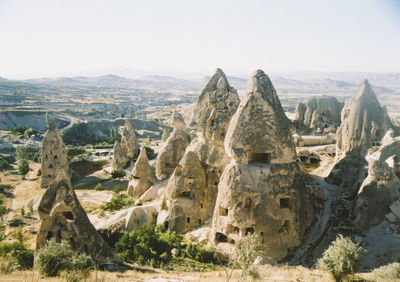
(28, 152)
(390, 271)
(120, 202)
(118, 173)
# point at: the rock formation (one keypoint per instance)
(321, 114)
(177, 121)
(120, 157)
(54, 158)
(382, 185)
(364, 122)
(171, 153)
(215, 106)
(64, 218)
(261, 190)
(142, 176)
(128, 139)
(186, 202)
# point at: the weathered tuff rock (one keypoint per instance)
(178, 121)
(171, 153)
(186, 202)
(262, 189)
(64, 218)
(364, 122)
(138, 216)
(382, 185)
(128, 139)
(321, 114)
(215, 106)
(120, 157)
(142, 176)
(54, 158)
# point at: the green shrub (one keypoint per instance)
(56, 257)
(28, 153)
(118, 173)
(29, 132)
(342, 257)
(4, 163)
(117, 189)
(39, 172)
(165, 134)
(148, 246)
(201, 254)
(99, 187)
(79, 134)
(390, 271)
(118, 203)
(73, 151)
(23, 167)
(24, 259)
(21, 257)
(111, 236)
(18, 130)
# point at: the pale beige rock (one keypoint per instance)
(142, 215)
(54, 158)
(215, 106)
(128, 139)
(142, 176)
(262, 189)
(185, 205)
(64, 218)
(178, 121)
(364, 122)
(171, 153)
(120, 157)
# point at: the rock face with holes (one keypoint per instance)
(120, 157)
(64, 218)
(186, 201)
(142, 176)
(177, 121)
(262, 189)
(128, 139)
(192, 189)
(215, 106)
(54, 158)
(171, 153)
(382, 185)
(321, 114)
(364, 122)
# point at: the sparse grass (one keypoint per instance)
(390, 271)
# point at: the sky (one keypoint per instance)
(65, 38)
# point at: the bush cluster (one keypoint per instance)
(118, 203)
(21, 257)
(23, 167)
(342, 257)
(4, 164)
(201, 254)
(56, 257)
(28, 153)
(73, 151)
(390, 271)
(148, 246)
(118, 173)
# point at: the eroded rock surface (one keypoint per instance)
(178, 121)
(262, 190)
(120, 157)
(64, 218)
(142, 176)
(128, 139)
(54, 158)
(171, 153)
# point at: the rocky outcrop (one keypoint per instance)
(321, 114)
(177, 121)
(54, 158)
(186, 202)
(215, 106)
(171, 153)
(128, 139)
(382, 185)
(364, 122)
(262, 189)
(120, 157)
(64, 218)
(142, 176)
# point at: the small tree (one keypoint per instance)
(47, 120)
(342, 257)
(23, 167)
(165, 134)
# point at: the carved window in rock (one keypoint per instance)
(223, 211)
(232, 229)
(285, 227)
(219, 237)
(50, 165)
(231, 241)
(68, 215)
(55, 157)
(188, 219)
(285, 203)
(255, 157)
(249, 231)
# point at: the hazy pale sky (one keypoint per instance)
(51, 38)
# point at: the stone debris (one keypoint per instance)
(53, 158)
